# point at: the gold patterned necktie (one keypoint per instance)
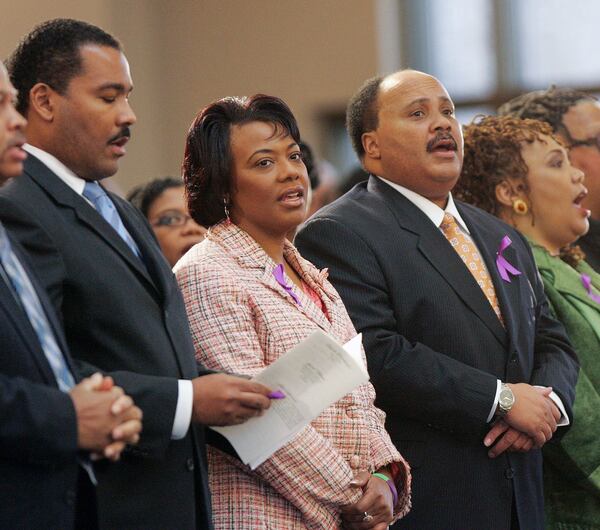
(468, 252)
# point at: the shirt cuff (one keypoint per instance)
(496, 398)
(564, 418)
(183, 412)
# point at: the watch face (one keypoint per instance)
(506, 398)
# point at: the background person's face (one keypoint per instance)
(92, 117)
(556, 190)
(583, 123)
(165, 215)
(12, 125)
(269, 179)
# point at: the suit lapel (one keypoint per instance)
(488, 239)
(567, 280)
(306, 306)
(442, 257)
(155, 262)
(315, 280)
(47, 307)
(16, 314)
(575, 289)
(86, 214)
(250, 256)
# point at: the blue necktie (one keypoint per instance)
(105, 207)
(37, 317)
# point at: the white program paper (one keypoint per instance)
(313, 375)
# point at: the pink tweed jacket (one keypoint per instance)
(242, 320)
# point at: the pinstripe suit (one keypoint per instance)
(242, 320)
(435, 349)
(127, 318)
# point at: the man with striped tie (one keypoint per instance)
(456, 327)
(49, 423)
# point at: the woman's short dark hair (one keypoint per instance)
(207, 163)
(143, 196)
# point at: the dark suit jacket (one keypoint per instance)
(435, 349)
(127, 318)
(38, 425)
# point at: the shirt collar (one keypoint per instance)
(57, 167)
(430, 209)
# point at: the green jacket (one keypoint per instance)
(572, 467)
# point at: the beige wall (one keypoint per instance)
(185, 53)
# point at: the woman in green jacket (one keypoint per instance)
(516, 170)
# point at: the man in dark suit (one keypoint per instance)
(455, 351)
(100, 263)
(45, 416)
(575, 118)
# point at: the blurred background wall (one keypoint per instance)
(316, 53)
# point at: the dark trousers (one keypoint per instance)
(514, 518)
(86, 509)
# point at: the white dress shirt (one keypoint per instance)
(436, 215)
(185, 396)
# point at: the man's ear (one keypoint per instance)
(370, 143)
(42, 101)
(507, 192)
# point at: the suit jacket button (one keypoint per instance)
(514, 358)
(509, 473)
(189, 464)
(354, 461)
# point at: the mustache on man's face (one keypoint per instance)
(125, 132)
(439, 137)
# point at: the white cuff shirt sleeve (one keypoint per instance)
(495, 405)
(564, 419)
(183, 412)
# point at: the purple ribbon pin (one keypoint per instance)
(278, 274)
(504, 267)
(587, 283)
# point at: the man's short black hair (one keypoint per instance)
(50, 54)
(361, 113)
(143, 197)
(545, 105)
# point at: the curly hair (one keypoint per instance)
(207, 163)
(361, 113)
(50, 54)
(492, 154)
(545, 105)
(143, 196)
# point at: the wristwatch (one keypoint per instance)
(506, 400)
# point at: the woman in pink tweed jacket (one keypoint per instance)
(251, 297)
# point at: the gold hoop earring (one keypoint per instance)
(520, 207)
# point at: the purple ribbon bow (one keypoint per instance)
(587, 284)
(504, 267)
(278, 274)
